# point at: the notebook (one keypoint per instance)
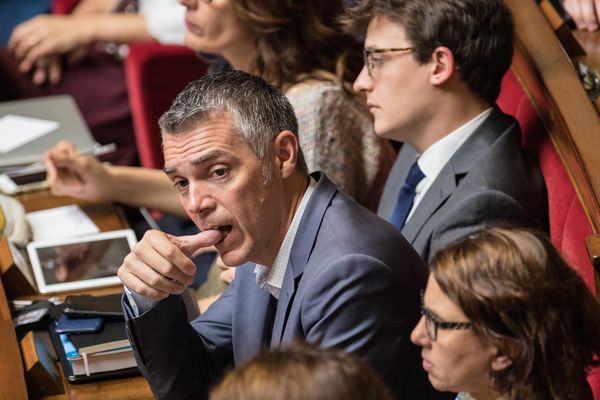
(60, 109)
(111, 364)
(103, 361)
(111, 337)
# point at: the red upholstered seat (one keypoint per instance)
(63, 6)
(155, 74)
(569, 225)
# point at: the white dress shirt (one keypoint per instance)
(434, 158)
(271, 278)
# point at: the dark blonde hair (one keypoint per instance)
(523, 298)
(300, 39)
(302, 372)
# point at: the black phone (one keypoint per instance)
(66, 324)
(94, 306)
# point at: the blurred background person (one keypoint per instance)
(299, 47)
(585, 13)
(80, 54)
(504, 317)
(302, 372)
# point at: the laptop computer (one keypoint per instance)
(61, 109)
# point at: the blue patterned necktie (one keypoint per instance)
(406, 196)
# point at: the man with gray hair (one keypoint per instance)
(313, 265)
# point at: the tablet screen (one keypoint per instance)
(79, 263)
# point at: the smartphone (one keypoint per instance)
(94, 306)
(66, 324)
(15, 184)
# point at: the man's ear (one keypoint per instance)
(286, 153)
(443, 66)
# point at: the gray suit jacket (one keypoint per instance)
(352, 282)
(489, 180)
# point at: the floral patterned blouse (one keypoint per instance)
(337, 137)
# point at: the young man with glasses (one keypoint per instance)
(431, 78)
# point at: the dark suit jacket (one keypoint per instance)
(352, 282)
(489, 180)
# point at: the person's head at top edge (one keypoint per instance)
(284, 42)
(231, 150)
(302, 372)
(504, 317)
(430, 65)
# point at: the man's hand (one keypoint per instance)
(71, 173)
(160, 264)
(585, 13)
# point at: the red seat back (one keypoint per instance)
(155, 74)
(63, 6)
(569, 226)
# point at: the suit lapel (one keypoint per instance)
(459, 165)
(438, 192)
(288, 290)
(301, 250)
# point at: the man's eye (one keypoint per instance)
(219, 173)
(376, 61)
(181, 184)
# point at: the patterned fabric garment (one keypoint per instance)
(337, 137)
(464, 396)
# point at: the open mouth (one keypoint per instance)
(225, 230)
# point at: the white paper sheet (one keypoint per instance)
(60, 222)
(15, 131)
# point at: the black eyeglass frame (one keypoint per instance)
(437, 324)
(368, 51)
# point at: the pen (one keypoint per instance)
(40, 166)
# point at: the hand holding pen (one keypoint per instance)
(75, 174)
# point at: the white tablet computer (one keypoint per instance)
(85, 262)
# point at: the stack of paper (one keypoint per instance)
(60, 222)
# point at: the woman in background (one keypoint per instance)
(295, 45)
(80, 54)
(504, 317)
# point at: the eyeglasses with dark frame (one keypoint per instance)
(374, 63)
(432, 323)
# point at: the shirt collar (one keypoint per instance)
(271, 278)
(438, 154)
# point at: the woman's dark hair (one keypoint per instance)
(300, 39)
(523, 298)
(302, 372)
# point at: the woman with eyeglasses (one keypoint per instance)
(505, 318)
